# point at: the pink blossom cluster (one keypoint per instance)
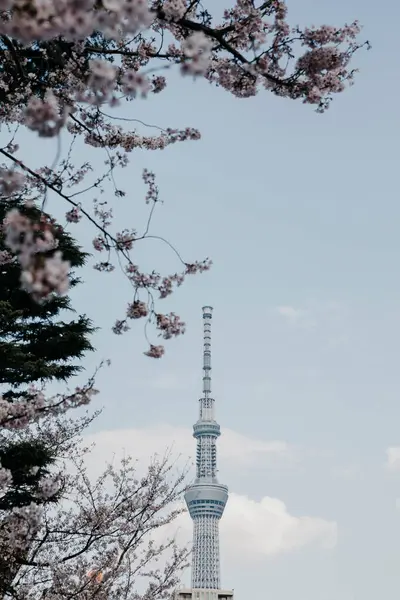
(137, 310)
(46, 116)
(72, 19)
(197, 49)
(102, 84)
(41, 274)
(104, 267)
(18, 529)
(325, 68)
(314, 37)
(198, 267)
(103, 214)
(19, 414)
(155, 351)
(74, 215)
(174, 9)
(150, 180)
(170, 325)
(159, 83)
(6, 258)
(99, 243)
(125, 239)
(120, 326)
(5, 479)
(248, 22)
(134, 84)
(153, 281)
(49, 487)
(114, 137)
(11, 181)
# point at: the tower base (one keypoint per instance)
(197, 594)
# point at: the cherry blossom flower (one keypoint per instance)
(137, 309)
(73, 215)
(41, 275)
(49, 487)
(174, 9)
(5, 478)
(170, 325)
(45, 276)
(197, 48)
(155, 351)
(11, 181)
(134, 83)
(120, 327)
(45, 116)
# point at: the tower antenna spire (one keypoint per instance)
(206, 402)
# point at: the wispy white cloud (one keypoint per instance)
(298, 317)
(393, 458)
(291, 314)
(234, 449)
(250, 529)
(241, 450)
(253, 530)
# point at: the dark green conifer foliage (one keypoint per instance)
(29, 462)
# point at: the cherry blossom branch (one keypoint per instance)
(104, 540)
(73, 74)
(54, 189)
(168, 325)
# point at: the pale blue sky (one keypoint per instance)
(296, 210)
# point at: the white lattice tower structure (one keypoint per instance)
(206, 498)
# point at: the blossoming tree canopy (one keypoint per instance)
(114, 531)
(64, 61)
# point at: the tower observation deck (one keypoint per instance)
(206, 498)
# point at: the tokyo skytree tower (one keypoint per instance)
(206, 498)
